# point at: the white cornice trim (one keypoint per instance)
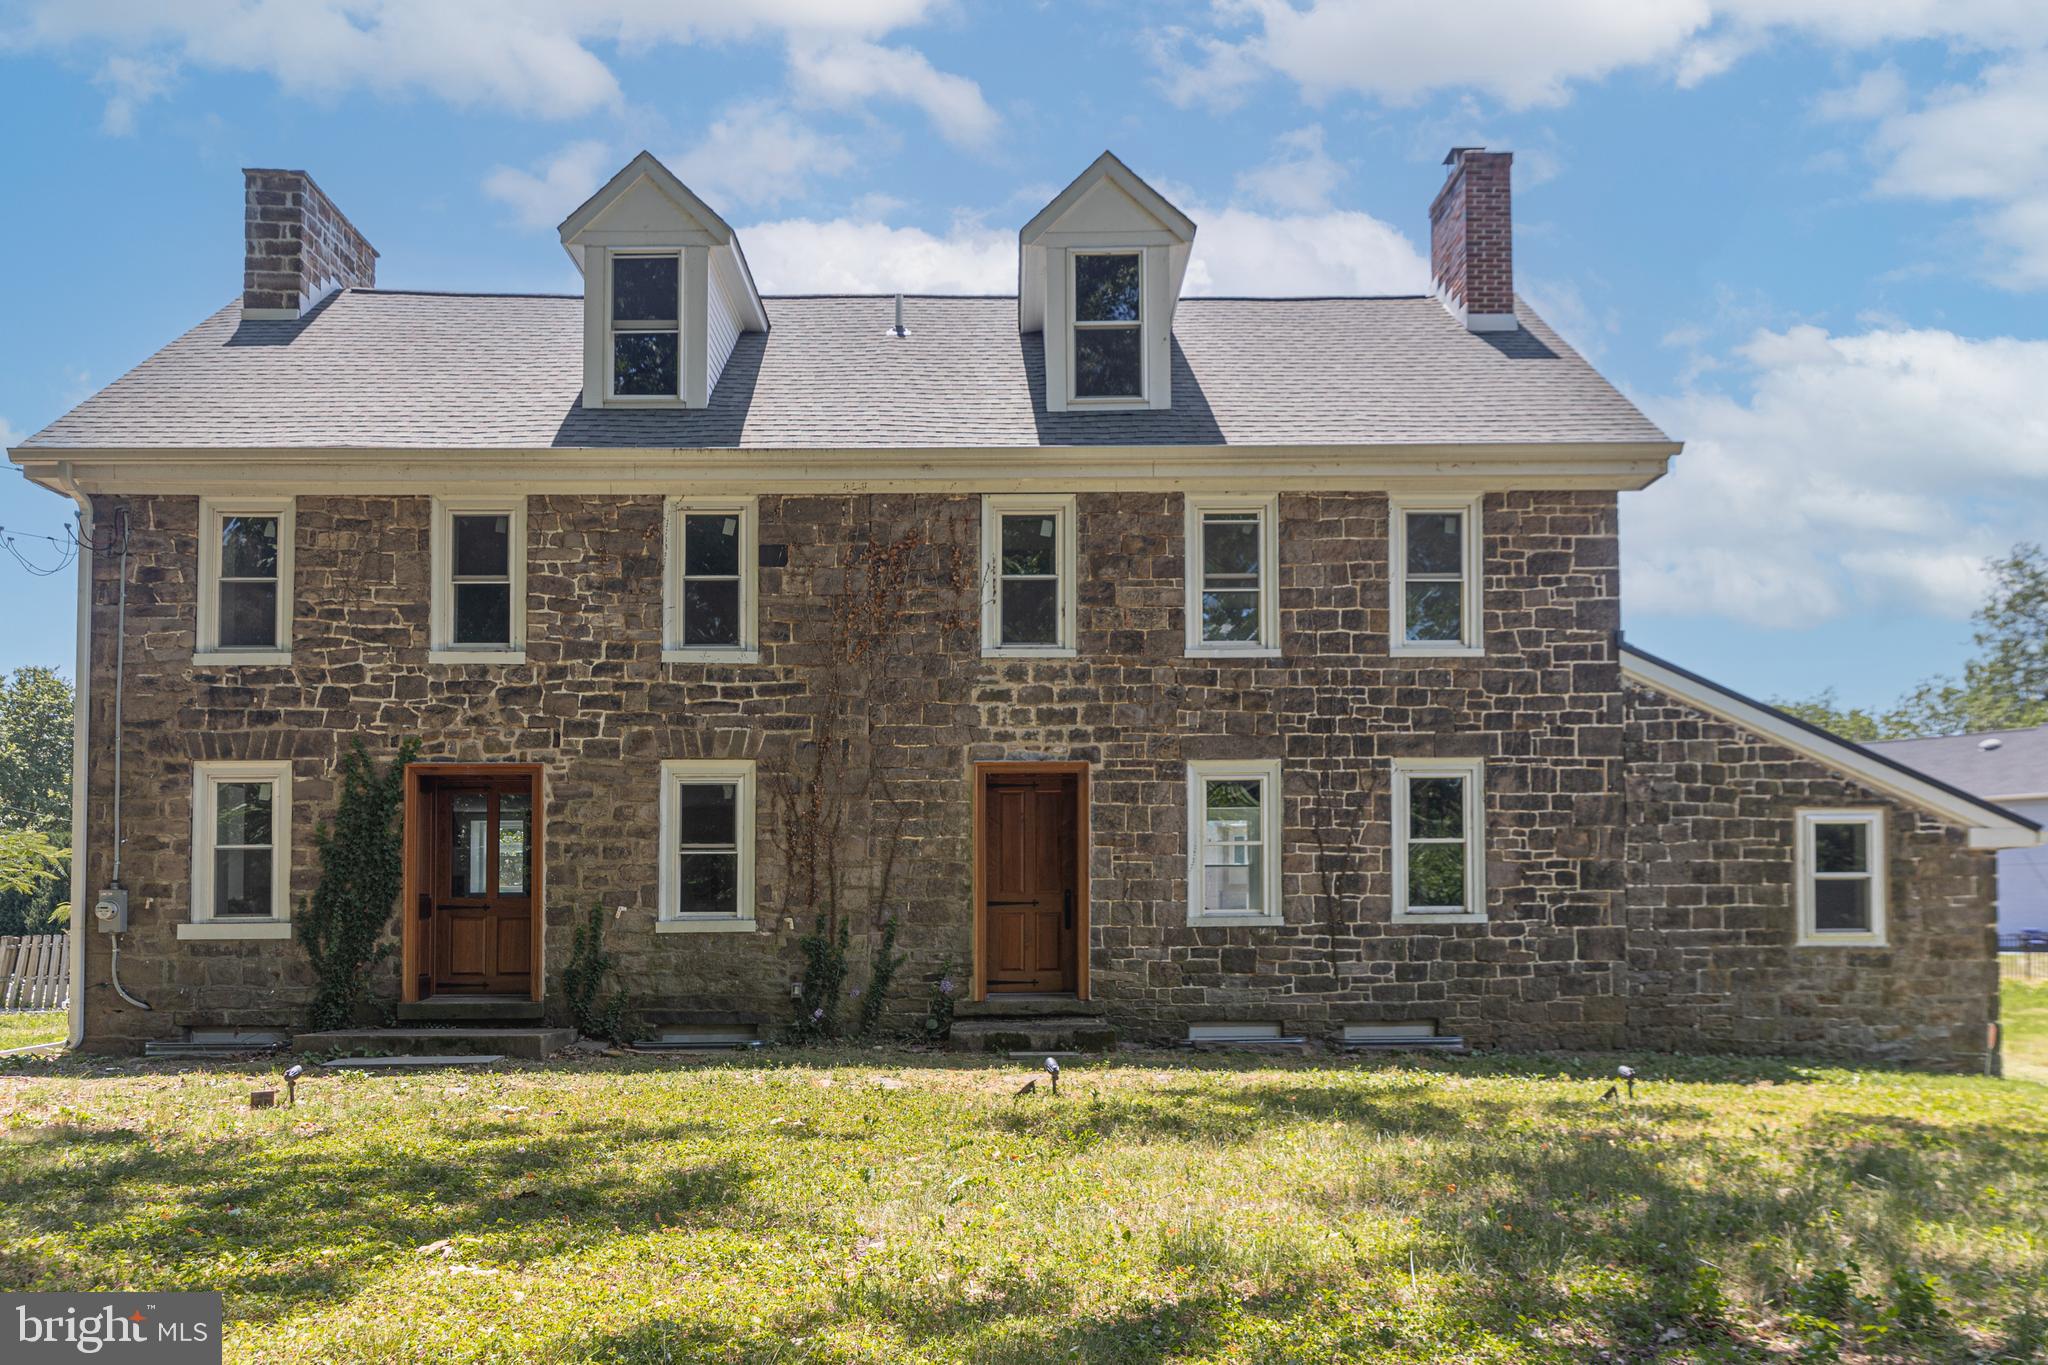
(1986, 827)
(1612, 466)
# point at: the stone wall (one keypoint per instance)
(595, 704)
(1712, 960)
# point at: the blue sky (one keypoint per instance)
(1809, 237)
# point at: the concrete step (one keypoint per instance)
(1033, 1034)
(530, 1044)
(477, 1009)
(1007, 1005)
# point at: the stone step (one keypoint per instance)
(1019, 1006)
(481, 1009)
(530, 1044)
(1033, 1034)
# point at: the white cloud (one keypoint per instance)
(568, 178)
(850, 256)
(131, 82)
(528, 56)
(10, 434)
(847, 72)
(758, 154)
(1877, 92)
(1857, 471)
(1533, 54)
(1302, 177)
(1238, 251)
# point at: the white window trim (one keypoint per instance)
(648, 400)
(1272, 808)
(748, 651)
(442, 649)
(1267, 646)
(1473, 771)
(994, 507)
(1143, 328)
(206, 777)
(1473, 645)
(1805, 862)
(207, 649)
(674, 773)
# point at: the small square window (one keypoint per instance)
(1029, 600)
(1439, 849)
(479, 582)
(1841, 882)
(711, 581)
(245, 571)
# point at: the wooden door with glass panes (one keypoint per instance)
(481, 937)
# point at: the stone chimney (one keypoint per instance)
(1472, 240)
(298, 246)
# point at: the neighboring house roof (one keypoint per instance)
(1999, 765)
(390, 369)
(1989, 825)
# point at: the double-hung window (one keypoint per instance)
(1436, 578)
(1841, 889)
(241, 851)
(1439, 840)
(1028, 597)
(245, 581)
(1109, 326)
(1234, 832)
(1231, 594)
(646, 328)
(479, 588)
(707, 840)
(710, 581)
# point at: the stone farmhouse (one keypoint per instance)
(1172, 667)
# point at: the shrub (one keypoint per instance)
(583, 979)
(362, 868)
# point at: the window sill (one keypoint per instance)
(719, 925)
(1127, 403)
(1235, 921)
(1842, 941)
(644, 401)
(1033, 652)
(1413, 917)
(476, 656)
(218, 658)
(710, 656)
(1438, 651)
(1215, 652)
(216, 930)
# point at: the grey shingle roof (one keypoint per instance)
(392, 369)
(2017, 765)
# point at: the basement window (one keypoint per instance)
(479, 585)
(1435, 550)
(1028, 596)
(1234, 842)
(1109, 326)
(241, 851)
(1841, 886)
(707, 838)
(646, 329)
(245, 581)
(1232, 599)
(711, 582)
(1439, 841)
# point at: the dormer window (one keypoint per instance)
(1109, 320)
(646, 312)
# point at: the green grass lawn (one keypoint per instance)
(2023, 1010)
(20, 1028)
(880, 1206)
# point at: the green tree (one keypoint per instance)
(2005, 687)
(35, 796)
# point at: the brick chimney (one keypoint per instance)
(299, 248)
(1472, 240)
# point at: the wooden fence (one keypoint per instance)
(35, 971)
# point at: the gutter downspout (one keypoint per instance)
(81, 735)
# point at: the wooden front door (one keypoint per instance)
(1031, 888)
(479, 886)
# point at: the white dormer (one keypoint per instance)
(1099, 271)
(666, 291)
